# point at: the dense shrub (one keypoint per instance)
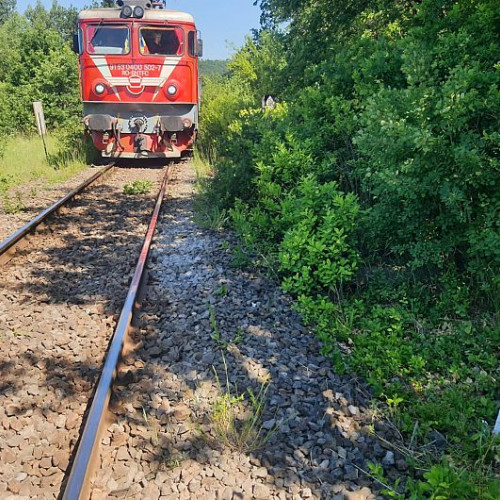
(372, 192)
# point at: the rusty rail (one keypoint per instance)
(10, 243)
(78, 485)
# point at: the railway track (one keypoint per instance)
(61, 299)
(20, 237)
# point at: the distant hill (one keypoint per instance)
(213, 67)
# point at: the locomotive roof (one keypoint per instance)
(149, 15)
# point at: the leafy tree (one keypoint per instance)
(7, 8)
(36, 63)
(260, 63)
(209, 67)
(58, 18)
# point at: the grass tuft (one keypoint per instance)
(210, 217)
(138, 187)
(236, 419)
(13, 205)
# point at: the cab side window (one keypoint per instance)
(191, 43)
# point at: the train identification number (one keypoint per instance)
(135, 69)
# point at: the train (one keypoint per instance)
(139, 84)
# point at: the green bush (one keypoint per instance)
(316, 253)
(372, 192)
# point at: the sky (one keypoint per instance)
(223, 23)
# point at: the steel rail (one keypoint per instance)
(11, 241)
(78, 486)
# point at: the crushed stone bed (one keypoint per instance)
(59, 299)
(163, 444)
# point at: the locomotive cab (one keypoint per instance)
(139, 79)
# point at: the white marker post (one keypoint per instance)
(496, 429)
(40, 123)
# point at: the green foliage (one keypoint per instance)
(7, 8)
(221, 102)
(56, 84)
(427, 148)
(210, 217)
(237, 418)
(13, 205)
(65, 156)
(316, 254)
(138, 187)
(372, 191)
(252, 64)
(212, 67)
(58, 18)
(74, 146)
(36, 63)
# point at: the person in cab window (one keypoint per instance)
(155, 44)
(162, 42)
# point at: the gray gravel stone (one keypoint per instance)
(388, 459)
(57, 308)
(208, 328)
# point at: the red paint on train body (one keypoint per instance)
(139, 79)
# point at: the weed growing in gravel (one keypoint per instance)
(216, 334)
(237, 418)
(237, 421)
(221, 344)
(221, 291)
(138, 187)
(238, 338)
(440, 478)
(175, 460)
(376, 471)
(241, 259)
(19, 333)
(5, 181)
(14, 205)
(164, 456)
(210, 217)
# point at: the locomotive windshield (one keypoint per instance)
(108, 39)
(162, 41)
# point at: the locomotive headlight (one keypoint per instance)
(187, 123)
(171, 90)
(138, 11)
(100, 88)
(127, 11)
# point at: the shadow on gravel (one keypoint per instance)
(84, 270)
(83, 266)
(321, 424)
(156, 164)
(64, 305)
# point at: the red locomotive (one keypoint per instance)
(139, 79)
